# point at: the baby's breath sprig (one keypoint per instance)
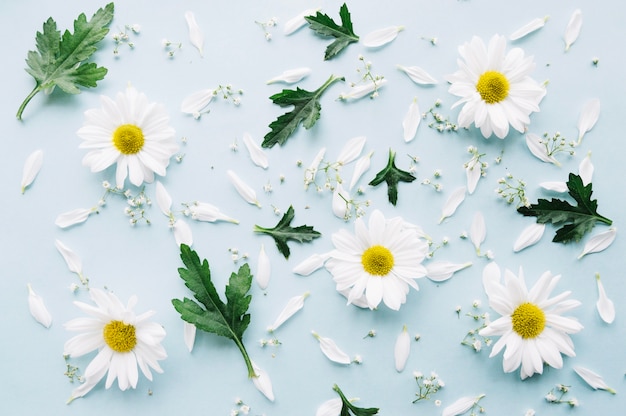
(433, 247)
(72, 372)
(561, 390)
(272, 342)
(355, 208)
(432, 40)
(472, 338)
(370, 334)
(228, 93)
(366, 76)
(557, 144)
(439, 122)
(511, 189)
(436, 185)
(235, 256)
(428, 386)
(122, 37)
(273, 22)
(476, 162)
(136, 204)
(171, 47)
(242, 408)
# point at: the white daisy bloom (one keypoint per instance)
(378, 264)
(495, 88)
(131, 132)
(124, 341)
(531, 326)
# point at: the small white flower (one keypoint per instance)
(478, 231)
(311, 264)
(331, 350)
(257, 154)
(196, 102)
(340, 203)
(195, 34)
(203, 211)
(461, 406)
(529, 28)
(291, 76)
(330, 407)
(182, 233)
(360, 91)
(453, 202)
(244, 190)
(298, 21)
(560, 187)
(262, 382)
(588, 118)
(189, 335)
(32, 165)
(573, 29)
(599, 242)
(442, 271)
(73, 217)
(529, 412)
(38, 309)
(604, 305)
(418, 75)
(402, 349)
(351, 150)
(263, 269)
(362, 166)
(539, 150)
(594, 380)
(73, 261)
(293, 305)
(529, 236)
(381, 37)
(411, 121)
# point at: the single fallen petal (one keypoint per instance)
(341, 202)
(478, 231)
(473, 173)
(599, 242)
(311, 264)
(360, 91)
(402, 349)
(73, 217)
(293, 305)
(411, 121)
(560, 187)
(164, 200)
(262, 382)
(585, 169)
(311, 171)
(257, 154)
(461, 406)
(331, 350)
(291, 76)
(297, 22)
(196, 102)
(588, 118)
(362, 166)
(529, 236)
(189, 335)
(182, 233)
(381, 37)
(203, 211)
(594, 380)
(604, 305)
(263, 269)
(351, 150)
(330, 407)
(195, 34)
(72, 259)
(417, 229)
(573, 29)
(529, 28)
(244, 190)
(442, 271)
(418, 75)
(539, 150)
(38, 308)
(32, 165)
(453, 202)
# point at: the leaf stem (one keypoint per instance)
(246, 358)
(331, 80)
(26, 101)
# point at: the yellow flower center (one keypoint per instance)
(128, 139)
(528, 320)
(377, 260)
(493, 87)
(120, 336)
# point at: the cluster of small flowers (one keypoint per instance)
(557, 144)
(272, 342)
(171, 47)
(510, 191)
(242, 408)
(436, 185)
(71, 371)
(235, 256)
(440, 122)
(475, 161)
(562, 390)
(137, 204)
(228, 93)
(473, 339)
(428, 386)
(432, 247)
(273, 22)
(122, 37)
(367, 76)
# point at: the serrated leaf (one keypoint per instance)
(324, 25)
(283, 232)
(392, 175)
(348, 407)
(306, 110)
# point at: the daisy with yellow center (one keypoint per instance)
(379, 263)
(124, 341)
(495, 88)
(531, 327)
(131, 132)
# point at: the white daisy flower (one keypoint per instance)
(531, 326)
(378, 264)
(123, 340)
(495, 88)
(131, 132)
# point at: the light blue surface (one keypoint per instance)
(143, 260)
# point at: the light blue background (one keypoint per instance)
(143, 260)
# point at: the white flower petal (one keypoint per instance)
(196, 102)
(293, 305)
(529, 28)
(182, 233)
(341, 204)
(257, 154)
(298, 21)
(263, 269)
(381, 37)
(164, 200)
(330, 407)
(73, 217)
(529, 236)
(453, 202)
(362, 166)
(189, 335)
(331, 350)
(539, 150)
(478, 231)
(560, 187)
(473, 174)
(361, 90)
(32, 165)
(291, 76)
(461, 406)
(443, 270)
(262, 382)
(38, 308)
(588, 118)
(402, 349)
(418, 75)
(573, 28)
(195, 34)
(351, 150)
(311, 264)
(411, 121)
(604, 305)
(585, 169)
(311, 171)
(599, 242)
(244, 190)
(72, 259)
(203, 211)
(594, 380)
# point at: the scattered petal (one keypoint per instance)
(585, 170)
(588, 118)
(529, 28)
(402, 349)
(330, 407)
(257, 154)
(262, 382)
(473, 173)
(560, 187)
(362, 166)
(442, 271)
(196, 102)
(246, 192)
(73, 217)
(529, 236)
(297, 22)
(189, 335)
(311, 264)
(38, 308)
(411, 121)
(263, 269)
(32, 165)
(361, 90)
(539, 150)
(573, 28)
(331, 350)
(381, 37)
(164, 200)
(72, 260)
(599, 242)
(341, 202)
(461, 406)
(195, 34)
(604, 305)
(351, 150)
(182, 233)
(418, 75)
(478, 231)
(311, 171)
(594, 380)
(293, 305)
(291, 76)
(452, 203)
(203, 211)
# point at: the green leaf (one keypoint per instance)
(577, 220)
(392, 175)
(306, 110)
(284, 232)
(348, 407)
(228, 319)
(59, 60)
(325, 26)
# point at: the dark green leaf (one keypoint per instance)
(283, 232)
(325, 26)
(348, 407)
(392, 175)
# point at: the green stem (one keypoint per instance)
(331, 80)
(27, 100)
(246, 358)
